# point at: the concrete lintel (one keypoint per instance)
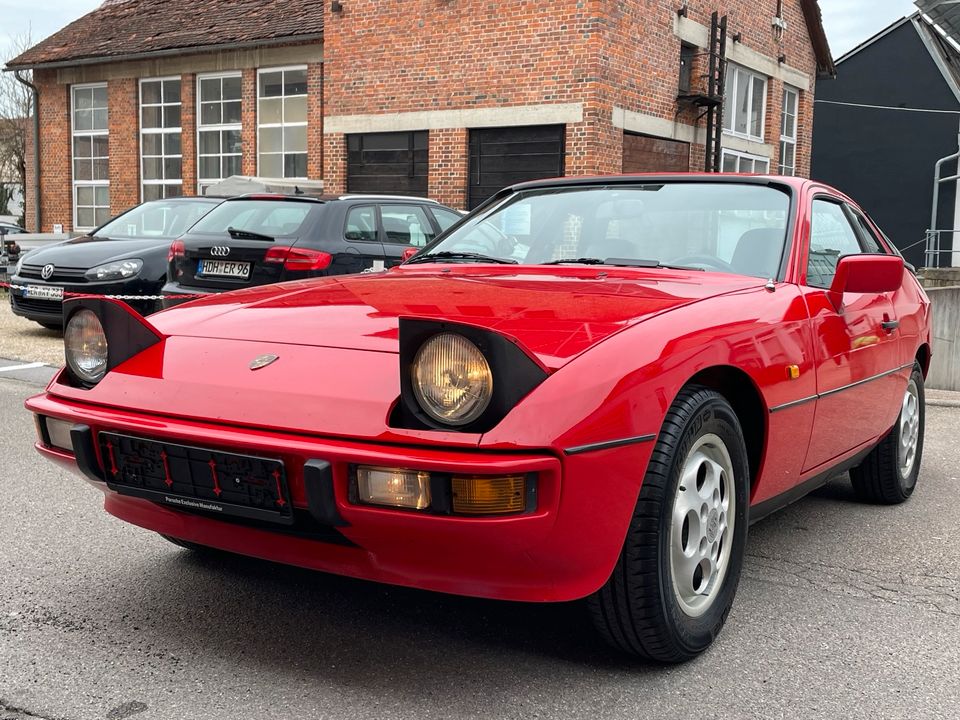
(656, 126)
(690, 31)
(219, 61)
(556, 114)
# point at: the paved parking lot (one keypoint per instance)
(844, 610)
(22, 339)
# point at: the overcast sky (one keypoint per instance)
(848, 22)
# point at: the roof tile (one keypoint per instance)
(132, 27)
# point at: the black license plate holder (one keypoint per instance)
(197, 479)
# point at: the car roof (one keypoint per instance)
(320, 199)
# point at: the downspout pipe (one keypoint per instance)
(36, 147)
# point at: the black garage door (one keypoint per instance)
(393, 163)
(503, 156)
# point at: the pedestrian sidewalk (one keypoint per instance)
(942, 398)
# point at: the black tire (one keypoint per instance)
(637, 610)
(186, 544)
(880, 478)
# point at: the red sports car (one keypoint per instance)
(587, 388)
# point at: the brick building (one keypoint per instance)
(447, 98)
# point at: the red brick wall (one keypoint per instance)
(188, 135)
(448, 153)
(124, 144)
(315, 121)
(385, 57)
(56, 178)
(248, 131)
(335, 163)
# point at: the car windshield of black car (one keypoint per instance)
(724, 227)
(156, 220)
(270, 218)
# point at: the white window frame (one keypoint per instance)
(745, 156)
(91, 134)
(204, 183)
(282, 124)
(785, 139)
(735, 72)
(159, 131)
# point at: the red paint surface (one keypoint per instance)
(619, 343)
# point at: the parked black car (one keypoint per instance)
(260, 239)
(126, 256)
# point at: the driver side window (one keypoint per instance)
(831, 238)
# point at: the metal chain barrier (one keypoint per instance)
(66, 294)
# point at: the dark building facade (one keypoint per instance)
(881, 125)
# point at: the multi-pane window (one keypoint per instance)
(219, 149)
(738, 162)
(91, 165)
(282, 123)
(788, 132)
(160, 138)
(744, 103)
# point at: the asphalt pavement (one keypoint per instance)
(844, 611)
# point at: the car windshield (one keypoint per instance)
(729, 227)
(156, 220)
(270, 218)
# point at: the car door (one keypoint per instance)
(856, 346)
(404, 225)
(362, 249)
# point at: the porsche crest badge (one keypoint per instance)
(263, 361)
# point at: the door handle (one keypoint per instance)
(890, 325)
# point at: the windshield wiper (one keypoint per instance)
(456, 255)
(247, 235)
(619, 262)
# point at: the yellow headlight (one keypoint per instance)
(452, 379)
(85, 346)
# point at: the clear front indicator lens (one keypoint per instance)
(452, 379)
(393, 487)
(120, 270)
(59, 433)
(85, 346)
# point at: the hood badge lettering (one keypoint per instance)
(263, 361)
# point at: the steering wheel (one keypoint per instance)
(711, 261)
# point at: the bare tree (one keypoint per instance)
(16, 107)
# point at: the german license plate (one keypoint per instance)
(224, 268)
(43, 292)
(195, 479)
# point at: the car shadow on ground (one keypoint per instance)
(356, 634)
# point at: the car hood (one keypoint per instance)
(555, 313)
(87, 252)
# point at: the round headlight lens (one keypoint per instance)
(85, 345)
(452, 379)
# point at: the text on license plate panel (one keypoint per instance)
(225, 268)
(43, 292)
(196, 479)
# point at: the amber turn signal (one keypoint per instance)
(485, 495)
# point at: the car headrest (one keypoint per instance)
(758, 252)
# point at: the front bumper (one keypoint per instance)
(564, 550)
(51, 311)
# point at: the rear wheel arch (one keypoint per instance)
(744, 397)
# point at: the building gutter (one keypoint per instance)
(36, 147)
(168, 52)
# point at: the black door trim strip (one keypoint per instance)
(609, 444)
(828, 393)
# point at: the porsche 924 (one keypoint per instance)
(587, 388)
